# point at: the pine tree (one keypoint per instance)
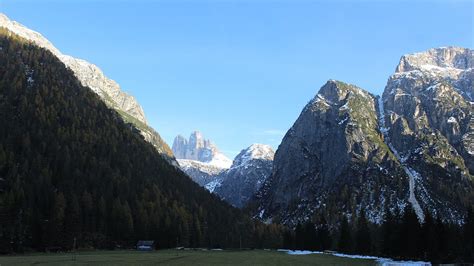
(345, 240)
(311, 241)
(388, 230)
(363, 238)
(323, 234)
(56, 223)
(299, 237)
(410, 233)
(468, 236)
(428, 238)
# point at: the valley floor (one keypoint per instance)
(182, 257)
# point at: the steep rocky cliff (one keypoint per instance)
(349, 149)
(427, 113)
(333, 160)
(200, 159)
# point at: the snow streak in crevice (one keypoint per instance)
(412, 174)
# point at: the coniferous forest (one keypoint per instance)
(72, 170)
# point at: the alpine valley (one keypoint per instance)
(389, 175)
(79, 166)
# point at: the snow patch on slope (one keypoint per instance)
(254, 152)
(412, 174)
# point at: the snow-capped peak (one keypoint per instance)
(254, 152)
(438, 60)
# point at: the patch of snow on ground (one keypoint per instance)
(299, 252)
(384, 261)
(380, 261)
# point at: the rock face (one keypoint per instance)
(250, 169)
(429, 119)
(200, 159)
(199, 149)
(91, 76)
(349, 149)
(332, 155)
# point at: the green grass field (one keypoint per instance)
(172, 257)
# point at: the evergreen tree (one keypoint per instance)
(468, 236)
(428, 237)
(345, 240)
(299, 237)
(323, 234)
(363, 238)
(410, 233)
(388, 229)
(311, 241)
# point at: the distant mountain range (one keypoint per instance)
(237, 181)
(200, 158)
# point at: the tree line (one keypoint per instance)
(400, 235)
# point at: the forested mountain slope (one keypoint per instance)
(70, 167)
(92, 77)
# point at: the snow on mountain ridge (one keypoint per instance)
(437, 59)
(254, 152)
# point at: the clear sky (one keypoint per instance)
(241, 71)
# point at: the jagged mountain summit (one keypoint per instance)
(91, 76)
(200, 158)
(199, 149)
(250, 169)
(428, 116)
(349, 149)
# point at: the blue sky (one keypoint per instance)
(241, 71)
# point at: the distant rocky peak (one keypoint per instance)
(254, 152)
(198, 148)
(196, 139)
(436, 58)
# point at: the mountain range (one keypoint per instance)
(351, 150)
(78, 159)
(234, 181)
